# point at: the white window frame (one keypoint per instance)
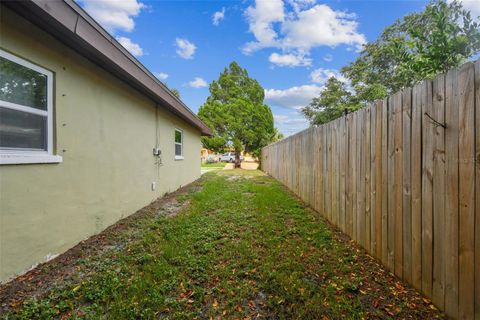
(180, 157)
(23, 155)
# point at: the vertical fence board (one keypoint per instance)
(416, 181)
(391, 189)
(378, 178)
(361, 181)
(373, 180)
(477, 188)
(466, 170)
(398, 183)
(385, 181)
(348, 196)
(439, 193)
(407, 188)
(354, 175)
(367, 160)
(427, 189)
(451, 201)
(343, 155)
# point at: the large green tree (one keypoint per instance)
(416, 47)
(332, 102)
(236, 114)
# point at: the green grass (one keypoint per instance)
(243, 248)
(214, 165)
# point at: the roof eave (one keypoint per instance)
(67, 22)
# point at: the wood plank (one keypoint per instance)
(391, 182)
(319, 188)
(325, 172)
(438, 278)
(367, 162)
(328, 185)
(373, 177)
(343, 157)
(477, 190)
(334, 173)
(466, 154)
(398, 183)
(427, 190)
(348, 184)
(354, 175)
(407, 185)
(451, 201)
(385, 182)
(378, 178)
(361, 179)
(416, 181)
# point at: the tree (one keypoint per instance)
(277, 135)
(333, 102)
(417, 47)
(175, 92)
(236, 114)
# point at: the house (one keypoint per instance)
(87, 134)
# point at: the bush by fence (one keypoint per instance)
(402, 178)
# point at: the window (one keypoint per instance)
(178, 144)
(26, 122)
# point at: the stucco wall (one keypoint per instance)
(105, 131)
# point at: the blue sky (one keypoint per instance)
(291, 47)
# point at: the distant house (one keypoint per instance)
(87, 134)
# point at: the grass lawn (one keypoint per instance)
(214, 165)
(242, 247)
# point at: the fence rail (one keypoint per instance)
(402, 178)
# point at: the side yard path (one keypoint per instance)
(234, 245)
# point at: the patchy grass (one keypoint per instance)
(214, 165)
(243, 248)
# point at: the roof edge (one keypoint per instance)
(71, 25)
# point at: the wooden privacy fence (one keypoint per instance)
(402, 178)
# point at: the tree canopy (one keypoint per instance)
(331, 104)
(236, 113)
(416, 47)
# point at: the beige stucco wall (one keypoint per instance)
(105, 132)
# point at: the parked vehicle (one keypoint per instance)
(229, 157)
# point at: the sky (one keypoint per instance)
(291, 47)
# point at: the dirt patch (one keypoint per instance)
(172, 208)
(38, 281)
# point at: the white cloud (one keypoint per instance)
(290, 124)
(197, 83)
(290, 60)
(161, 75)
(298, 5)
(287, 119)
(185, 48)
(218, 16)
(133, 47)
(321, 75)
(261, 19)
(309, 25)
(114, 15)
(294, 97)
(473, 6)
(321, 25)
(328, 57)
